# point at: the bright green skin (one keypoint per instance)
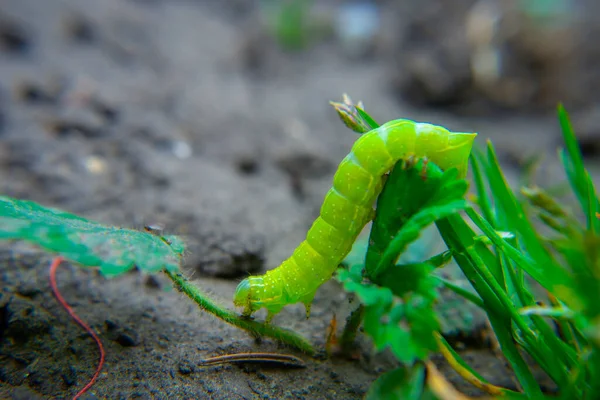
(348, 207)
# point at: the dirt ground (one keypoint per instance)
(186, 114)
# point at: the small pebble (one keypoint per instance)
(95, 165)
(185, 368)
(181, 149)
(128, 338)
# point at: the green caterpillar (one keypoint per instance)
(347, 208)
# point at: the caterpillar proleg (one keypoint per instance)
(348, 207)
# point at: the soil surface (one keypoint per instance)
(188, 114)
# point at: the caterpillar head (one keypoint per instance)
(241, 298)
(253, 293)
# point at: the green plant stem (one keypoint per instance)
(351, 329)
(255, 328)
(460, 239)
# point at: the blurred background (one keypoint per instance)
(212, 119)
(206, 114)
(213, 116)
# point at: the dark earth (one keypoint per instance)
(189, 114)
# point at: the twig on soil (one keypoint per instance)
(55, 263)
(286, 360)
(255, 328)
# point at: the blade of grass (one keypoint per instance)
(462, 292)
(459, 237)
(512, 354)
(538, 270)
(548, 273)
(500, 309)
(556, 347)
(578, 176)
(483, 198)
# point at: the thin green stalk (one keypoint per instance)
(512, 354)
(473, 298)
(484, 201)
(550, 345)
(458, 236)
(459, 239)
(509, 309)
(567, 355)
(255, 328)
(351, 329)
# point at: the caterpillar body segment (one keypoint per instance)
(348, 207)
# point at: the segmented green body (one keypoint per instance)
(348, 207)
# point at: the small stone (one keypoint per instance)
(182, 150)
(185, 368)
(110, 325)
(69, 377)
(27, 289)
(25, 393)
(152, 282)
(247, 165)
(128, 338)
(14, 38)
(95, 165)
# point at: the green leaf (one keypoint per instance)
(113, 250)
(402, 383)
(411, 200)
(417, 278)
(384, 313)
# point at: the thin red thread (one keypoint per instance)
(55, 263)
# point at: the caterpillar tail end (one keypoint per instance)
(461, 144)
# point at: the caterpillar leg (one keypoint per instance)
(271, 312)
(307, 301)
(424, 168)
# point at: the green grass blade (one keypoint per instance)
(461, 240)
(512, 354)
(462, 292)
(548, 276)
(578, 177)
(545, 268)
(371, 123)
(483, 198)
